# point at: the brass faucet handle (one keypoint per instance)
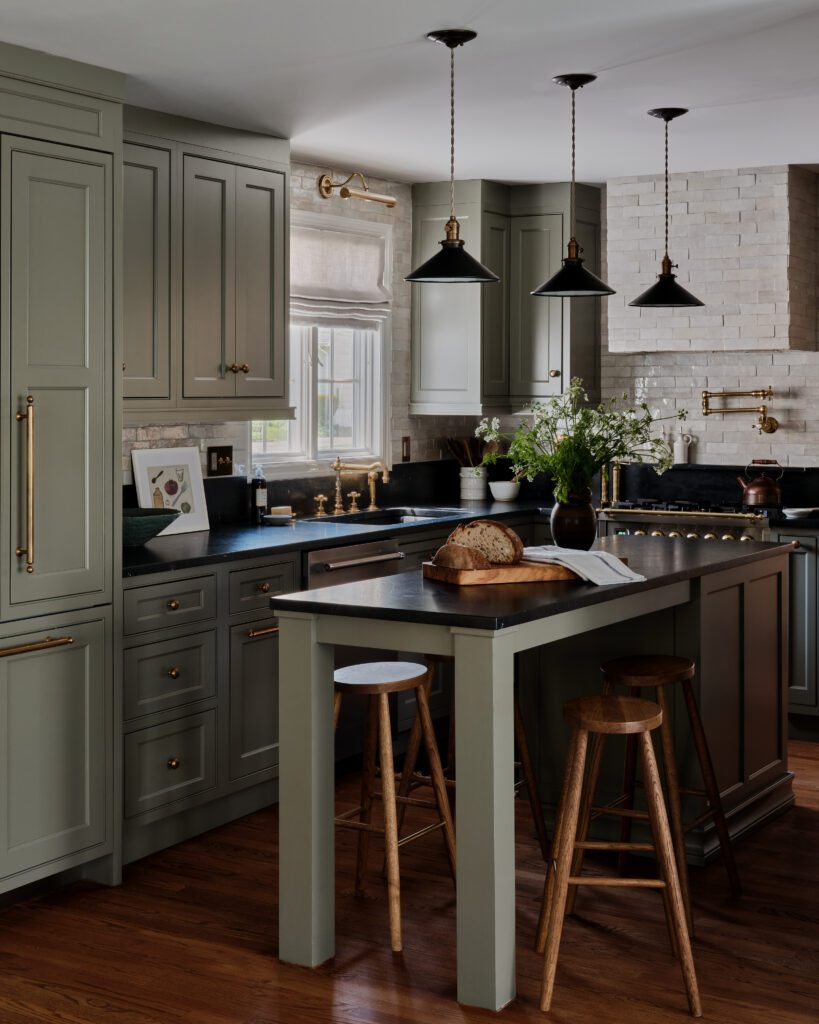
(321, 501)
(354, 496)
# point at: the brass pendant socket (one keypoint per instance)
(573, 249)
(667, 266)
(452, 230)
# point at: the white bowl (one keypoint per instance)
(504, 490)
(797, 513)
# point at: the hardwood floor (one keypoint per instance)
(190, 937)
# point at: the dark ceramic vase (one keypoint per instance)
(574, 522)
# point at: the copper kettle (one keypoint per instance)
(762, 490)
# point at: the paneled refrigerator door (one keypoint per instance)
(56, 256)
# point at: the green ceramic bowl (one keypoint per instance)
(139, 525)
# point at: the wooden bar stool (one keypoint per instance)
(411, 779)
(656, 672)
(603, 716)
(376, 680)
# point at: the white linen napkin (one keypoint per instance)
(598, 567)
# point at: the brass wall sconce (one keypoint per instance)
(765, 424)
(326, 186)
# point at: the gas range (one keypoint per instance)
(685, 520)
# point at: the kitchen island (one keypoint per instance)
(723, 604)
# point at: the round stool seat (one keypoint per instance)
(613, 715)
(376, 677)
(648, 670)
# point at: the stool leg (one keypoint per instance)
(668, 867)
(529, 779)
(629, 785)
(711, 787)
(559, 879)
(390, 821)
(672, 786)
(437, 775)
(367, 783)
(595, 760)
(408, 768)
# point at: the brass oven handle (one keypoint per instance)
(253, 633)
(173, 605)
(174, 673)
(173, 763)
(28, 550)
(39, 645)
(263, 587)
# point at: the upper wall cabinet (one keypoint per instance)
(495, 346)
(205, 271)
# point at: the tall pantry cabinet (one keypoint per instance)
(60, 149)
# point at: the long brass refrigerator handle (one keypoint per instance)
(28, 550)
(39, 645)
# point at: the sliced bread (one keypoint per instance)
(457, 556)
(497, 542)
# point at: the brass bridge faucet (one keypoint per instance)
(372, 470)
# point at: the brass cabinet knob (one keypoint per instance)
(173, 605)
(263, 587)
(173, 763)
(174, 673)
(554, 373)
(244, 368)
(234, 368)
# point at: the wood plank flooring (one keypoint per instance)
(190, 937)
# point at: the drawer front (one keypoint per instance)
(169, 674)
(251, 589)
(169, 604)
(169, 762)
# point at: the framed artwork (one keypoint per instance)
(172, 478)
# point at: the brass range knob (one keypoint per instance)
(709, 536)
(639, 533)
(657, 533)
(728, 536)
(174, 673)
(746, 536)
(173, 763)
(674, 533)
(263, 587)
(173, 605)
(692, 536)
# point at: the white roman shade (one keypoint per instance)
(339, 260)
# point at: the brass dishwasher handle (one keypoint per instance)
(39, 645)
(173, 763)
(174, 673)
(173, 605)
(391, 556)
(28, 550)
(253, 633)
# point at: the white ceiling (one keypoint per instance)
(356, 84)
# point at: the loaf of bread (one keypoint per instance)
(457, 556)
(495, 541)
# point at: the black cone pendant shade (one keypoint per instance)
(573, 280)
(453, 264)
(666, 291)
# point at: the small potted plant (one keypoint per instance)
(572, 440)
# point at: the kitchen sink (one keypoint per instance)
(392, 516)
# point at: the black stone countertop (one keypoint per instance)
(408, 597)
(227, 543)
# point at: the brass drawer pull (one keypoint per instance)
(264, 587)
(28, 550)
(253, 633)
(39, 645)
(174, 673)
(174, 763)
(173, 605)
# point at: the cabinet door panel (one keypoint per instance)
(802, 688)
(53, 713)
(254, 699)
(260, 277)
(495, 307)
(536, 335)
(57, 319)
(208, 279)
(146, 271)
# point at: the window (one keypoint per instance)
(339, 372)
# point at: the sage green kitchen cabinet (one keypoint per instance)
(803, 687)
(478, 348)
(146, 278)
(55, 747)
(254, 699)
(57, 346)
(222, 263)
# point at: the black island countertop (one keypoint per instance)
(228, 543)
(408, 597)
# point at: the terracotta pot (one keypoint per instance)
(574, 523)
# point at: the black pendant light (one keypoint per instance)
(453, 264)
(666, 291)
(573, 280)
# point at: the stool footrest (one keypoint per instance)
(623, 812)
(617, 883)
(592, 844)
(360, 826)
(420, 832)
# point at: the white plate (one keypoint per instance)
(797, 513)
(278, 520)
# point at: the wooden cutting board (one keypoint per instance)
(522, 572)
